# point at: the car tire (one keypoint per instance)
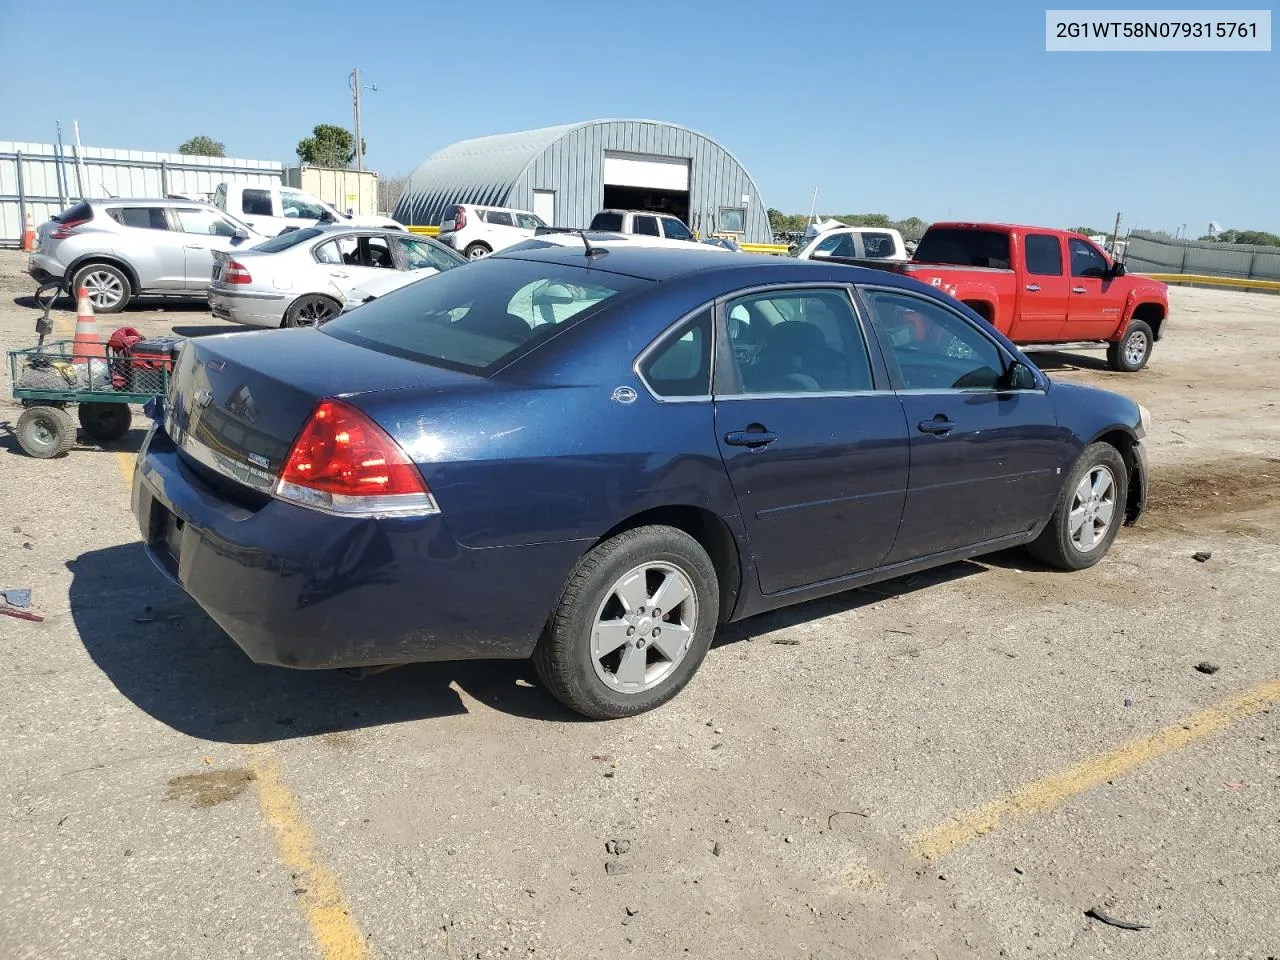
(45, 432)
(105, 422)
(1133, 350)
(108, 287)
(646, 669)
(1089, 512)
(477, 250)
(311, 310)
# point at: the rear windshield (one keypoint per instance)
(964, 248)
(482, 316)
(77, 211)
(288, 239)
(607, 221)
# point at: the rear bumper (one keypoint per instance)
(42, 267)
(301, 589)
(248, 306)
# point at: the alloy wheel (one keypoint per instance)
(105, 289)
(1093, 508)
(644, 627)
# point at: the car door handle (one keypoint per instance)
(1032, 288)
(750, 438)
(195, 246)
(938, 426)
(336, 273)
(1079, 290)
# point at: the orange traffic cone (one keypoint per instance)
(28, 234)
(87, 343)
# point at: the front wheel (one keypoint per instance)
(633, 625)
(1134, 349)
(1089, 512)
(45, 432)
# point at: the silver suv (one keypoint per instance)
(120, 249)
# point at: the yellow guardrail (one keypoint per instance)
(1240, 283)
(426, 231)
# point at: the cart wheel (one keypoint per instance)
(45, 432)
(105, 422)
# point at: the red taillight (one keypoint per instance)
(344, 463)
(459, 219)
(63, 230)
(235, 272)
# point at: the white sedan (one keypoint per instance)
(307, 276)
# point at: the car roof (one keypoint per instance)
(666, 263)
(647, 213)
(150, 201)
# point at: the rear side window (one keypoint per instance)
(499, 218)
(878, 246)
(145, 218)
(681, 365)
(257, 203)
(648, 226)
(479, 319)
(607, 221)
(287, 240)
(964, 248)
(77, 212)
(1043, 254)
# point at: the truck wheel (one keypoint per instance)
(1133, 350)
(477, 250)
(1089, 513)
(634, 622)
(108, 288)
(45, 432)
(105, 422)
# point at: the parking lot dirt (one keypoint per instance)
(956, 764)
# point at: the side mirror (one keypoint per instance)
(1117, 269)
(326, 216)
(1019, 376)
(241, 233)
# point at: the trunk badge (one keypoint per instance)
(215, 365)
(202, 398)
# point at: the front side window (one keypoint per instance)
(256, 203)
(298, 206)
(733, 219)
(933, 347)
(481, 318)
(529, 221)
(421, 255)
(674, 229)
(144, 218)
(681, 366)
(204, 222)
(1043, 254)
(1086, 261)
(838, 245)
(645, 225)
(797, 341)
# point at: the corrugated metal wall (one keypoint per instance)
(1150, 253)
(351, 191)
(29, 174)
(505, 170)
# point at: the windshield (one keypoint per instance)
(482, 316)
(288, 239)
(529, 221)
(956, 246)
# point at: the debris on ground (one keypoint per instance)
(17, 596)
(1098, 914)
(1200, 556)
(786, 641)
(617, 847)
(716, 849)
(840, 813)
(616, 867)
(19, 614)
(1204, 666)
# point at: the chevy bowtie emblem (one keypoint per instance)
(202, 398)
(624, 395)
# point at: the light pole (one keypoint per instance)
(353, 80)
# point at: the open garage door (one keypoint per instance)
(634, 181)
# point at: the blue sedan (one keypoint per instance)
(595, 455)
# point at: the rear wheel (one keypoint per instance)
(105, 422)
(1089, 513)
(310, 310)
(633, 625)
(108, 287)
(477, 250)
(1134, 349)
(45, 432)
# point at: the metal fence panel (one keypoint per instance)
(1152, 253)
(31, 178)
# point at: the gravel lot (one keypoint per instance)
(807, 797)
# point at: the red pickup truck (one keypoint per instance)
(1042, 286)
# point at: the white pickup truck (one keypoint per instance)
(271, 209)
(861, 243)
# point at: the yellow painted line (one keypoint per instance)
(326, 910)
(1048, 792)
(124, 463)
(425, 231)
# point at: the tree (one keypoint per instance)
(1255, 237)
(203, 146)
(329, 146)
(1086, 231)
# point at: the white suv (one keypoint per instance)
(643, 223)
(479, 231)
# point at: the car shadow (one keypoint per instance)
(205, 330)
(168, 658)
(131, 442)
(140, 305)
(1050, 360)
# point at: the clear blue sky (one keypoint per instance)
(926, 108)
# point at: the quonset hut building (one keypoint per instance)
(567, 174)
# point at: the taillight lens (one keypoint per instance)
(64, 230)
(235, 272)
(344, 463)
(459, 219)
